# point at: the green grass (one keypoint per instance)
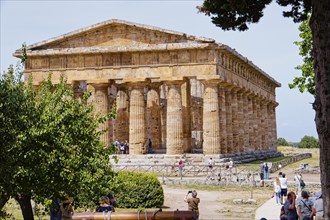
(275, 159)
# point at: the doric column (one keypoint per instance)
(153, 115)
(137, 123)
(101, 103)
(240, 121)
(258, 124)
(234, 107)
(186, 115)
(264, 125)
(273, 137)
(163, 107)
(121, 125)
(223, 119)
(229, 121)
(254, 124)
(174, 125)
(211, 126)
(246, 122)
(251, 122)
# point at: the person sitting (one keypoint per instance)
(105, 206)
(112, 201)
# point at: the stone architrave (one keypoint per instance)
(174, 119)
(211, 126)
(101, 103)
(137, 122)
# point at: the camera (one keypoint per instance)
(190, 191)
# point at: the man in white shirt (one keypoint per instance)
(284, 187)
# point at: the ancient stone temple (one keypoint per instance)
(183, 93)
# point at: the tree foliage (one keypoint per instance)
(51, 146)
(305, 82)
(309, 142)
(282, 142)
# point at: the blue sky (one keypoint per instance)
(268, 44)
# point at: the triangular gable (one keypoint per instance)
(116, 33)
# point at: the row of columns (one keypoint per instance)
(234, 120)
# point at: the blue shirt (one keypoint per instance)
(291, 213)
(102, 208)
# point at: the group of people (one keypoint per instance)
(121, 147)
(303, 207)
(108, 204)
(62, 210)
(264, 171)
(293, 207)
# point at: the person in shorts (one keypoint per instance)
(284, 187)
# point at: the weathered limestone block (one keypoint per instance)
(229, 121)
(121, 125)
(223, 131)
(153, 115)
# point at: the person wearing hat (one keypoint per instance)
(317, 208)
(67, 208)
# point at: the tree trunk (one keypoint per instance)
(320, 26)
(25, 204)
(3, 199)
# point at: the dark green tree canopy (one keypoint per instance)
(282, 142)
(309, 142)
(237, 14)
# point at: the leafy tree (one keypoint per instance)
(305, 82)
(236, 14)
(282, 142)
(309, 142)
(50, 144)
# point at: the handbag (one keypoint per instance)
(302, 184)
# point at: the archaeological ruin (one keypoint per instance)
(186, 94)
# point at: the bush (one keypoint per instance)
(137, 190)
(309, 142)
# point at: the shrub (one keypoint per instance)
(309, 142)
(137, 190)
(282, 142)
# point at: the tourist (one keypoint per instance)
(262, 171)
(304, 207)
(290, 207)
(211, 163)
(55, 213)
(192, 202)
(126, 147)
(67, 208)
(122, 148)
(317, 208)
(284, 187)
(150, 151)
(180, 168)
(277, 190)
(105, 206)
(298, 179)
(231, 165)
(266, 171)
(112, 201)
(282, 214)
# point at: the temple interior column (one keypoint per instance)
(174, 121)
(222, 115)
(254, 124)
(235, 120)
(186, 115)
(211, 126)
(153, 115)
(137, 122)
(121, 125)
(250, 119)
(101, 104)
(196, 114)
(263, 124)
(163, 113)
(229, 121)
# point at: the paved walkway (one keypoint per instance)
(269, 210)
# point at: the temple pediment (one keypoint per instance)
(117, 33)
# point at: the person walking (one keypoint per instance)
(304, 207)
(193, 202)
(277, 190)
(284, 187)
(180, 168)
(266, 171)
